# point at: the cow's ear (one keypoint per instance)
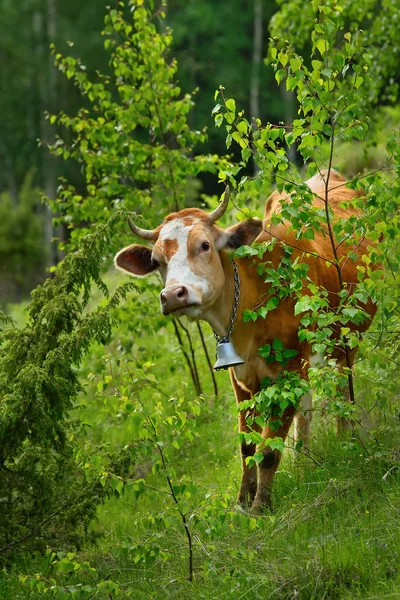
(135, 259)
(242, 234)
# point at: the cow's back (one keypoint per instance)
(318, 252)
(337, 193)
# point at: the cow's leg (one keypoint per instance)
(248, 486)
(302, 420)
(270, 463)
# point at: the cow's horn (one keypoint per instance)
(221, 208)
(145, 234)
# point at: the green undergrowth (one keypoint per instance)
(334, 534)
(334, 531)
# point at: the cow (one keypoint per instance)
(191, 253)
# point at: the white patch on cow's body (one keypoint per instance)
(178, 270)
(316, 359)
(254, 369)
(176, 230)
(302, 419)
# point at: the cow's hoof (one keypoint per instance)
(259, 509)
(242, 508)
(245, 500)
(244, 504)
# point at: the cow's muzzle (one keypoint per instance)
(173, 298)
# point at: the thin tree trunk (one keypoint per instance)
(44, 29)
(50, 161)
(256, 60)
(256, 64)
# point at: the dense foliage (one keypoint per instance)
(332, 93)
(44, 482)
(39, 381)
(80, 423)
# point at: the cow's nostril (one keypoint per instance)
(182, 293)
(173, 297)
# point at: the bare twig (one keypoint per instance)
(183, 516)
(210, 367)
(194, 364)
(337, 264)
(305, 453)
(187, 358)
(314, 254)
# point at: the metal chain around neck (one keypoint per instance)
(235, 306)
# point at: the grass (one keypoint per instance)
(334, 533)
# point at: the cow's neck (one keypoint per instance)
(219, 316)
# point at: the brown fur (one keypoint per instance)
(215, 268)
(169, 248)
(282, 323)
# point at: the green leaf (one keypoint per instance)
(216, 109)
(319, 348)
(277, 344)
(276, 444)
(295, 64)
(238, 138)
(272, 303)
(321, 46)
(117, 485)
(243, 126)
(246, 154)
(283, 59)
(253, 523)
(249, 315)
(308, 233)
(302, 305)
(358, 81)
(288, 353)
(280, 75)
(218, 120)
(265, 350)
(317, 64)
(246, 251)
(231, 105)
(351, 312)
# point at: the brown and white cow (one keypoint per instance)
(190, 252)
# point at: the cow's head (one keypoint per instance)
(186, 252)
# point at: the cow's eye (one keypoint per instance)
(154, 263)
(204, 247)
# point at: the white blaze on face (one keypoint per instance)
(178, 267)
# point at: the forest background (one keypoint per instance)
(119, 457)
(31, 85)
